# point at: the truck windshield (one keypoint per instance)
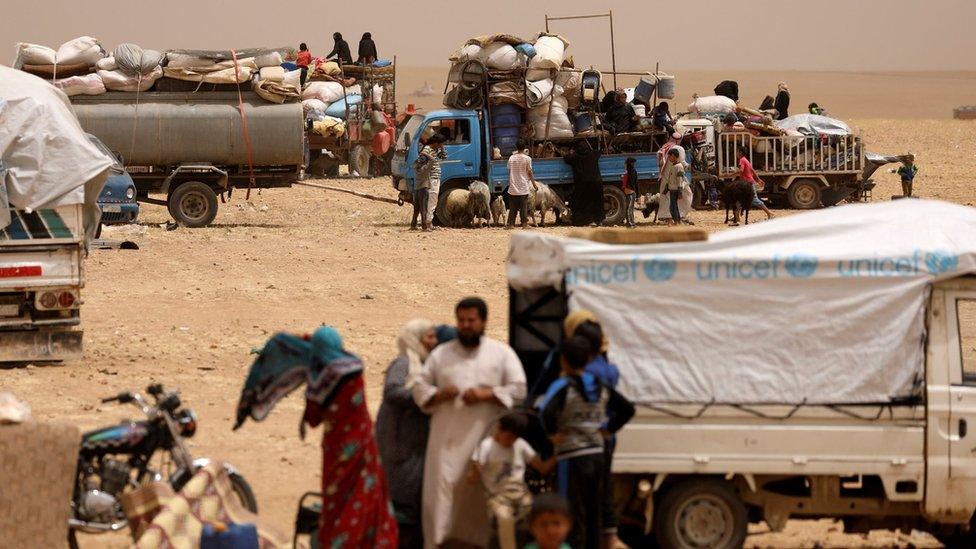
(410, 129)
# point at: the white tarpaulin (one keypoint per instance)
(814, 124)
(821, 307)
(49, 162)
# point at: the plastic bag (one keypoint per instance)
(182, 60)
(270, 59)
(537, 93)
(90, 84)
(712, 104)
(119, 81)
(549, 52)
(500, 56)
(558, 120)
(327, 92)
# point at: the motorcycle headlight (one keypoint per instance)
(130, 193)
(187, 421)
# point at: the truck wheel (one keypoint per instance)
(613, 205)
(804, 194)
(701, 513)
(193, 204)
(359, 160)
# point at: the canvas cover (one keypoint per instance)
(48, 160)
(814, 124)
(823, 307)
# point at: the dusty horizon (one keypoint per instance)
(837, 35)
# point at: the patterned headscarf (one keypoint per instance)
(409, 344)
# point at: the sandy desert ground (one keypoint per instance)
(187, 308)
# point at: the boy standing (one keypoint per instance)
(907, 173)
(579, 412)
(549, 522)
(500, 462)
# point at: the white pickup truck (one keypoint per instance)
(50, 178)
(819, 365)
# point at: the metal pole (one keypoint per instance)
(547, 23)
(613, 53)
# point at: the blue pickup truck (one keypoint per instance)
(118, 197)
(469, 157)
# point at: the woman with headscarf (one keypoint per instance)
(401, 429)
(367, 50)
(586, 202)
(356, 509)
(340, 50)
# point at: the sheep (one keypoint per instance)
(498, 211)
(462, 207)
(480, 198)
(542, 199)
(737, 195)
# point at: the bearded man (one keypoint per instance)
(465, 386)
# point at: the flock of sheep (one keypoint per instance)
(473, 206)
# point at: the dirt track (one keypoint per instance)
(187, 308)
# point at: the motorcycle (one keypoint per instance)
(117, 459)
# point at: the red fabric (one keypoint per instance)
(304, 58)
(356, 511)
(748, 173)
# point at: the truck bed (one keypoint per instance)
(770, 440)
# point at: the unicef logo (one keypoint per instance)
(801, 266)
(660, 270)
(941, 262)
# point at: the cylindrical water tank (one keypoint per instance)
(170, 128)
(506, 125)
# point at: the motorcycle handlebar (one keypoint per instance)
(121, 397)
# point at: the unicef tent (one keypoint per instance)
(826, 307)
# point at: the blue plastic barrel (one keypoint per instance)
(506, 125)
(665, 86)
(645, 88)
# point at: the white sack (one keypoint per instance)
(469, 52)
(184, 60)
(314, 107)
(819, 307)
(84, 49)
(274, 74)
(355, 89)
(119, 81)
(559, 125)
(571, 83)
(500, 56)
(377, 94)
(106, 64)
(327, 92)
(293, 78)
(48, 159)
(34, 54)
(533, 75)
(271, 59)
(89, 84)
(549, 52)
(712, 104)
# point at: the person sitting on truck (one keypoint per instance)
(661, 118)
(782, 102)
(367, 50)
(520, 183)
(303, 60)
(817, 109)
(746, 173)
(574, 414)
(621, 117)
(340, 50)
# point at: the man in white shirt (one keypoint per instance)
(519, 185)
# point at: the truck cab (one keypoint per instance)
(463, 131)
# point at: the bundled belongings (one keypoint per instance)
(224, 72)
(329, 126)
(89, 84)
(270, 85)
(550, 120)
(712, 105)
(119, 81)
(813, 124)
(42, 61)
(133, 60)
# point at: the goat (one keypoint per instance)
(737, 195)
(498, 210)
(542, 199)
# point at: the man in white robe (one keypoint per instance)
(465, 386)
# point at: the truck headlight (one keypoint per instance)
(130, 193)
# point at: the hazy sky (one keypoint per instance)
(700, 34)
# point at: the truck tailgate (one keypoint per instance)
(39, 266)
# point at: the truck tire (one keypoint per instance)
(193, 204)
(613, 205)
(701, 513)
(804, 194)
(359, 160)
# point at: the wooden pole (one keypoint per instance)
(613, 53)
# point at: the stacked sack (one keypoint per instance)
(69, 68)
(547, 87)
(130, 69)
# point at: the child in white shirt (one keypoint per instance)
(500, 461)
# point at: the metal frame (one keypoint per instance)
(609, 15)
(783, 154)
